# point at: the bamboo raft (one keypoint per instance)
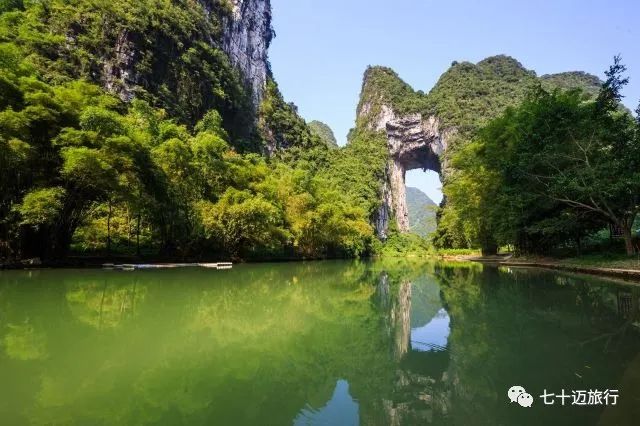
(138, 266)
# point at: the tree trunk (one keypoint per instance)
(128, 229)
(628, 240)
(138, 236)
(109, 229)
(489, 247)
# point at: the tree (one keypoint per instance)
(593, 163)
(242, 221)
(554, 169)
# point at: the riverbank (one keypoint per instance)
(610, 265)
(92, 262)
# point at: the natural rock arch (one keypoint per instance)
(419, 127)
(414, 142)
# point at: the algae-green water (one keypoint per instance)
(326, 343)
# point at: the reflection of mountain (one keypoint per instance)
(432, 336)
(420, 344)
(488, 324)
(340, 410)
(277, 343)
(425, 300)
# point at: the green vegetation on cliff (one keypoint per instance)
(161, 51)
(588, 83)
(467, 95)
(102, 156)
(382, 86)
(466, 98)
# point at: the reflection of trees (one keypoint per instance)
(104, 305)
(23, 342)
(191, 346)
(511, 326)
(240, 346)
(527, 326)
(628, 308)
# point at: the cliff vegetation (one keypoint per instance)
(124, 129)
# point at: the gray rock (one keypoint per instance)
(414, 142)
(246, 39)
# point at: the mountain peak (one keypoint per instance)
(382, 86)
(324, 132)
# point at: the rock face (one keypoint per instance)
(414, 142)
(246, 38)
(118, 74)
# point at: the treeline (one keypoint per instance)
(125, 130)
(548, 173)
(78, 167)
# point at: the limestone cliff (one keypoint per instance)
(119, 75)
(414, 142)
(414, 139)
(241, 28)
(421, 128)
(246, 38)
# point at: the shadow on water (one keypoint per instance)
(314, 343)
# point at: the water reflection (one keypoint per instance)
(433, 335)
(104, 305)
(478, 331)
(23, 342)
(316, 343)
(341, 410)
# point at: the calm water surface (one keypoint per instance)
(326, 343)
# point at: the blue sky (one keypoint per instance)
(322, 47)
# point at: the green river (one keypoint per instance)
(317, 343)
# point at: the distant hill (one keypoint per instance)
(422, 212)
(324, 132)
(572, 80)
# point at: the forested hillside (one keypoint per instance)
(124, 129)
(422, 212)
(550, 172)
(324, 132)
(465, 104)
(146, 129)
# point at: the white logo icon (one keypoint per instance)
(525, 400)
(519, 394)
